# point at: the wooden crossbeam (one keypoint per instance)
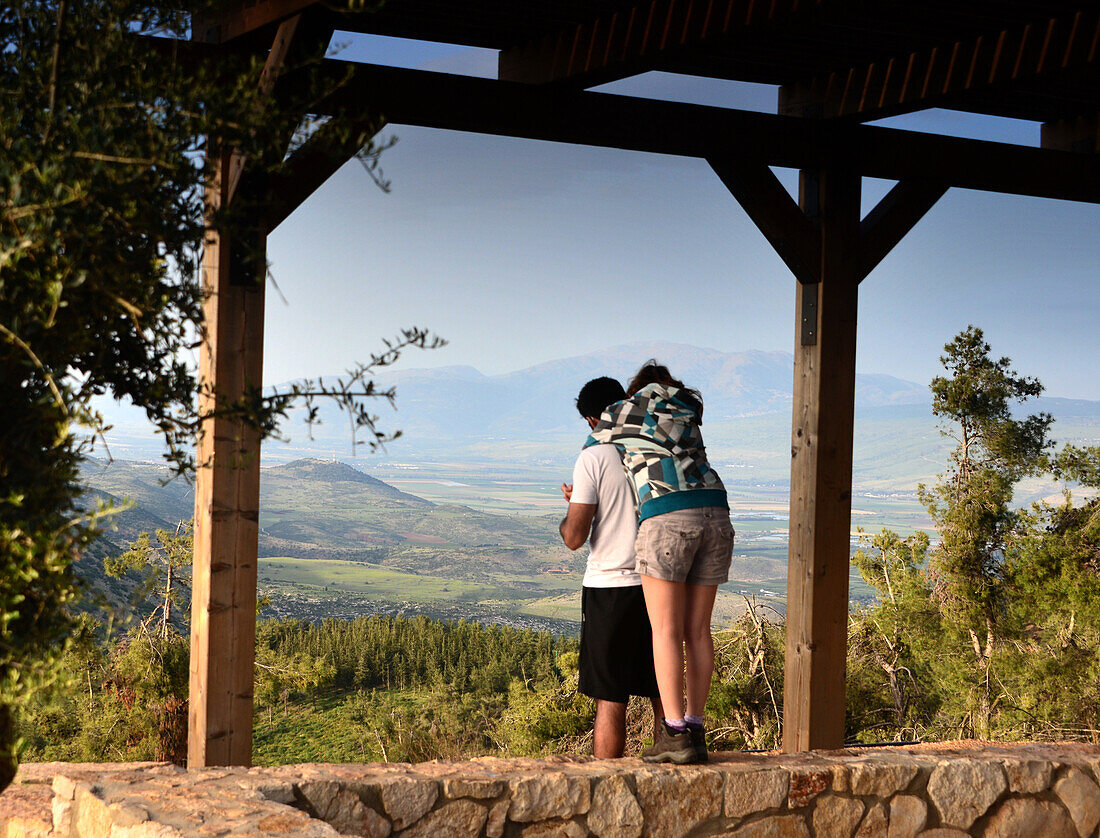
(279, 193)
(1080, 134)
(954, 73)
(436, 100)
(234, 20)
(629, 40)
(773, 211)
(895, 215)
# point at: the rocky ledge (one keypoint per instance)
(952, 789)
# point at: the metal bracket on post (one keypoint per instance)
(810, 292)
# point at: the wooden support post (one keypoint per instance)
(821, 470)
(227, 493)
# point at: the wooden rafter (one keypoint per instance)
(630, 40)
(958, 73)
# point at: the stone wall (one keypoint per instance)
(1029, 791)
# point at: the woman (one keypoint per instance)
(683, 548)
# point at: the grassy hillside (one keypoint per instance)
(337, 542)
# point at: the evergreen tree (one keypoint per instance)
(971, 503)
(892, 689)
(1053, 568)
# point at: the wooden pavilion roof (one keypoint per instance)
(859, 59)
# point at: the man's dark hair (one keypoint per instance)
(597, 394)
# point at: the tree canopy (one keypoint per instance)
(104, 125)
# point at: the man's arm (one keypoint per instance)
(577, 524)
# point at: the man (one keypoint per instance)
(616, 659)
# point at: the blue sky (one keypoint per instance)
(519, 252)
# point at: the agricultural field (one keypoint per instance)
(459, 541)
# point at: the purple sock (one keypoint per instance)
(693, 721)
(676, 724)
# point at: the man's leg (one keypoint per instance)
(665, 603)
(698, 608)
(609, 736)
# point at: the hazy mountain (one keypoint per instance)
(457, 414)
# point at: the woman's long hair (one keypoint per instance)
(654, 373)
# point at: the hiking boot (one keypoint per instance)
(671, 745)
(698, 736)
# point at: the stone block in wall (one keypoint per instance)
(877, 778)
(615, 812)
(89, 814)
(551, 794)
(908, 816)
(755, 790)
(835, 815)
(406, 799)
(458, 819)
(341, 808)
(1027, 776)
(776, 826)
(1020, 817)
(875, 823)
(1081, 797)
(554, 829)
(806, 782)
(498, 817)
(962, 790)
(675, 801)
(25, 811)
(479, 788)
(944, 832)
(277, 791)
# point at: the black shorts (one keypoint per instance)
(616, 644)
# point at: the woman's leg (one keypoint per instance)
(665, 603)
(697, 610)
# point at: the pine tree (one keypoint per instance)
(971, 503)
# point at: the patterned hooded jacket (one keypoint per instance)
(657, 431)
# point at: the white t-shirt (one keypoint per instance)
(599, 478)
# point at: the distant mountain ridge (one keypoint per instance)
(460, 404)
(458, 414)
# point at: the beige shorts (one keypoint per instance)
(686, 545)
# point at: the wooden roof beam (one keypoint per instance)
(234, 20)
(1080, 134)
(437, 100)
(278, 194)
(991, 64)
(775, 213)
(633, 40)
